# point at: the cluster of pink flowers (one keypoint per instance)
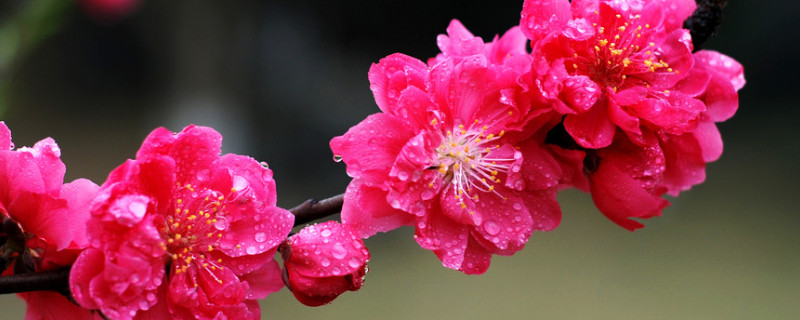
(180, 231)
(471, 147)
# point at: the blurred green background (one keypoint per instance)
(279, 79)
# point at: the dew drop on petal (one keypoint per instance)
(353, 263)
(338, 251)
(240, 183)
(261, 237)
(221, 224)
(337, 158)
(252, 250)
(491, 227)
(325, 262)
(326, 233)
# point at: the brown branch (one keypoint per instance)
(56, 280)
(311, 209)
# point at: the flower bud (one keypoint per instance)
(322, 261)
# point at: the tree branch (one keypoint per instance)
(311, 209)
(56, 280)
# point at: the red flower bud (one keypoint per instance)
(323, 261)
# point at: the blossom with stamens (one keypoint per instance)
(457, 153)
(182, 231)
(613, 64)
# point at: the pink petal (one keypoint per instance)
(88, 265)
(43, 216)
(47, 156)
(541, 17)
(263, 281)
(512, 43)
(369, 149)
(721, 99)
(591, 129)
(79, 195)
(730, 68)
(255, 229)
(459, 41)
(5, 137)
(446, 238)
(544, 209)
(249, 177)
(695, 83)
(507, 224)
(413, 107)
(393, 74)
(366, 211)
(476, 259)
(684, 163)
(709, 139)
(620, 198)
(675, 11)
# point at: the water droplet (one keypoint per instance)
(151, 297)
(354, 263)
(252, 250)
(402, 175)
(338, 251)
(261, 237)
(221, 224)
(325, 262)
(428, 194)
(326, 233)
(337, 158)
(491, 227)
(240, 183)
(517, 206)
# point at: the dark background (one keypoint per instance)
(279, 79)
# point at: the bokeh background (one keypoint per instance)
(280, 78)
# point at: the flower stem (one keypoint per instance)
(311, 209)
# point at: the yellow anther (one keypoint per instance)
(603, 42)
(179, 201)
(621, 28)
(626, 62)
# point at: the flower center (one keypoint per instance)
(617, 53)
(193, 227)
(470, 160)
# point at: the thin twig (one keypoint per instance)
(56, 280)
(311, 209)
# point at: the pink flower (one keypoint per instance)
(613, 64)
(629, 178)
(44, 220)
(184, 231)
(323, 261)
(452, 155)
